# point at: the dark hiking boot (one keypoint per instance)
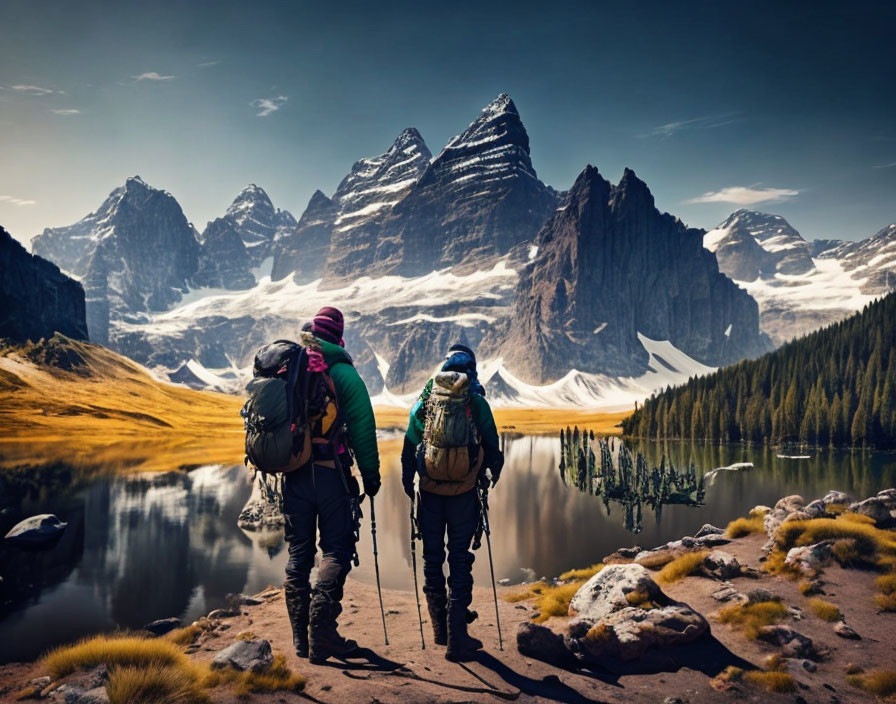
(438, 616)
(325, 641)
(461, 646)
(331, 645)
(472, 616)
(298, 602)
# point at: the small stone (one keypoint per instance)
(722, 564)
(726, 592)
(674, 700)
(503, 582)
(844, 631)
(40, 682)
(796, 613)
(707, 529)
(222, 613)
(97, 695)
(759, 594)
(254, 655)
(808, 665)
(793, 644)
(162, 626)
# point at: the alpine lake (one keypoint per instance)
(140, 547)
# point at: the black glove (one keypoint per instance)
(494, 475)
(482, 479)
(408, 488)
(371, 487)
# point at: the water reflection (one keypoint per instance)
(605, 467)
(151, 546)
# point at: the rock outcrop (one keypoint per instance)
(36, 298)
(224, 261)
(303, 252)
(609, 266)
(619, 613)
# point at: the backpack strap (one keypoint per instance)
(293, 378)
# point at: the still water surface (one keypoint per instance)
(139, 548)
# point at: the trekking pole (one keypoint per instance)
(483, 504)
(376, 566)
(414, 534)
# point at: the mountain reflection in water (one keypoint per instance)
(151, 546)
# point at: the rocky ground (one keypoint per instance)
(668, 644)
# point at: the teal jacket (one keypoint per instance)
(354, 402)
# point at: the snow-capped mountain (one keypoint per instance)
(872, 260)
(750, 245)
(135, 253)
(801, 286)
(257, 222)
(343, 234)
(610, 266)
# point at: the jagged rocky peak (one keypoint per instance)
(135, 253)
(781, 249)
(36, 298)
(477, 200)
(378, 182)
(224, 260)
(365, 199)
(303, 252)
(610, 266)
(258, 223)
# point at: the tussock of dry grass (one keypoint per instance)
(885, 602)
(856, 518)
(277, 678)
(806, 587)
(155, 685)
(886, 583)
(722, 680)
(825, 610)
(878, 682)
(554, 601)
(751, 617)
(681, 567)
(773, 681)
(853, 669)
(582, 574)
(600, 633)
(183, 636)
(740, 527)
(125, 651)
(550, 600)
(869, 541)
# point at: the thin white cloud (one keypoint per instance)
(742, 195)
(695, 123)
(151, 76)
(885, 166)
(28, 89)
(266, 106)
(208, 64)
(17, 201)
(65, 111)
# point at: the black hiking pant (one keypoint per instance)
(457, 518)
(315, 499)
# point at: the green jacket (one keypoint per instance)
(482, 417)
(354, 401)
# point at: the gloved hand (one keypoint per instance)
(371, 487)
(408, 467)
(482, 479)
(408, 487)
(494, 476)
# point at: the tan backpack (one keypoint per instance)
(452, 455)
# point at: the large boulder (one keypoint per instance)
(36, 532)
(162, 626)
(621, 612)
(254, 655)
(809, 559)
(882, 508)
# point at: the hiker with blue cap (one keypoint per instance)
(451, 444)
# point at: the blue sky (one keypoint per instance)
(782, 107)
